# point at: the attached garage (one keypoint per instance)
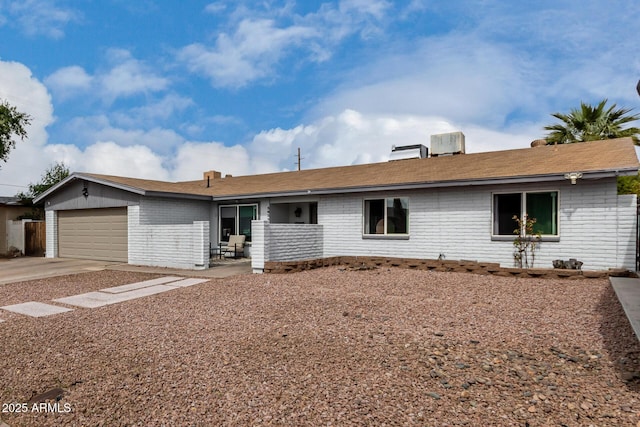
(99, 234)
(128, 220)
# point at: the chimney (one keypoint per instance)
(211, 175)
(538, 143)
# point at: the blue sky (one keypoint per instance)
(167, 89)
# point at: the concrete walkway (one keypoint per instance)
(628, 292)
(28, 268)
(105, 296)
(32, 268)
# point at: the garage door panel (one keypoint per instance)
(93, 234)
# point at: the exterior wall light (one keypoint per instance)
(573, 176)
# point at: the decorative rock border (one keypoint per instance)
(461, 266)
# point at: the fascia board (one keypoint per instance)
(426, 185)
(55, 188)
(78, 176)
(177, 195)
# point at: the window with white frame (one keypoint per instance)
(541, 205)
(386, 216)
(236, 219)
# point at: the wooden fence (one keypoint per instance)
(34, 238)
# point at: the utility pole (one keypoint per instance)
(299, 158)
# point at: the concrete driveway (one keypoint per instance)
(31, 268)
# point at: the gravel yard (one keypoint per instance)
(325, 347)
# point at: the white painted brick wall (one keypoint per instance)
(167, 245)
(626, 232)
(173, 211)
(263, 210)
(288, 242)
(596, 226)
(200, 255)
(51, 218)
(284, 242)
(260, 247)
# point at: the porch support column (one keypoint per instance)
(259, 245)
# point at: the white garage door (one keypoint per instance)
(99, 234)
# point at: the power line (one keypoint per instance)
(14, 185)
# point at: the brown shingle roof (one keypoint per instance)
(185, 187)
(587, 157)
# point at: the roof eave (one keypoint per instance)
(172, 195)
(80, 176)
(430, 184)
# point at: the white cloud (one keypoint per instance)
(123, 77)
(136, 161)
(39, 17)
(192, 159)
(162, 109)
(376, 9)
(20, 89)
(348, 138)
(260, 42)
(129, 76)
(215, 7)
(457, 77)
(353, 137)
(100, 128)
(561, 60)
(248, 55)
(69, 81)
(28, 95)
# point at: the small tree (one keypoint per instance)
(51, 177)
(12, 124)
(629, 184)
(526, 242)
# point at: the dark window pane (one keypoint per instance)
(544, 208)
(504, 208)
(227, 222)
(313, 213)
(397, 214)
(374, 216)
(247, 214)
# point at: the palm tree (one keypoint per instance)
(591, 123)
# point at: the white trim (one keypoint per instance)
(523, 201)
(237, 217)
(385, 234)
(118, 186)
(423, 185)
(342, 190)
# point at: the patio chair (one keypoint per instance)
(234, 247)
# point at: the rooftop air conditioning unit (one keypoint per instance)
(447, 144)
(417, 151)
